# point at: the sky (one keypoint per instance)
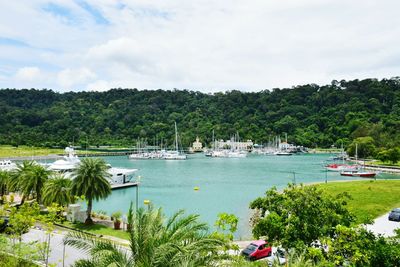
(202, 45)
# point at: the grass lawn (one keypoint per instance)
(370, 199)
(27, 151)
(98, 229)
(386, 163)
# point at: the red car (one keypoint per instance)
(257, 250)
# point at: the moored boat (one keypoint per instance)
(340, 167)
(282, 153)
(175, 154)
(66, 166)
(356, 173)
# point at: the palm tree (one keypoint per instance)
(153, 241)
(34, 181)
(91, 181)
(4, 179)
(20, 179)
(58, 190)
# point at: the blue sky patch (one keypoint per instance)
(12, 42)
(60, 11)
(96, 14)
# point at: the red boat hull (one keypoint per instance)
(366, 174)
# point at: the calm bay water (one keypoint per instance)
(225, 185)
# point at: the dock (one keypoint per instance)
(48, 157)
(125, 185)
(385, 169)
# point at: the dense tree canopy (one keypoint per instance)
(311, 115)
(299, 215)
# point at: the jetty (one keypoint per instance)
(386, 169)
(125, 185)
(48, 157)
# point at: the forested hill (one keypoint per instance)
(310, 114)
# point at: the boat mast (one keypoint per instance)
(213, 141)
(356, 153)
(342, 153)
(176, 138)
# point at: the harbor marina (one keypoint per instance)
(208, 186)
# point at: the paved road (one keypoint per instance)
(383, 226)
(56, 246)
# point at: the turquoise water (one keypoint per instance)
(225, 185)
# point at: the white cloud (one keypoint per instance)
(99, 86)
(203, 45)
(28, 74)
(68, 78)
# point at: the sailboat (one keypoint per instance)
(357, 172)
(175, 154)
(234, 152)
(282, 151)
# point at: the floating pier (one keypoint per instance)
(125, 185)
(385, 169)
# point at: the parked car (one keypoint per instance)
(3, 223)
(257, 250)
(394, 215)
(277, 257)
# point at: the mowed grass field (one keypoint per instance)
(370, 199)
(27, 151)
(98, 229)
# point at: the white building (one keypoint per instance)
(221, 144)
(197, 145)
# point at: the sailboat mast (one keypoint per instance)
(356, 153)
(176, 137)
(342, 154)
(213, 140)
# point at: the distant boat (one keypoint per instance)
(356, 173)
(341, 167)
(118, 176)
(282, 153)
(235, 150)
(175, 154)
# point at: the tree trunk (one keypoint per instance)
(89, 212)
(22, 199)
(2, 192)
(38, 197)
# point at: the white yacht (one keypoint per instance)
(174, 155)
(229, 153)
(237, 154)
(118, 176)
(282, 153)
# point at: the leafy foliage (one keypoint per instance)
(299, 215)
(154, 241)
(310, 114)
(364, 145)
(392, 155)
(359, 247)
(17, 254)
(58, 190)
(22, 219)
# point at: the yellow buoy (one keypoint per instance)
(196, 188)
(146, 202)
